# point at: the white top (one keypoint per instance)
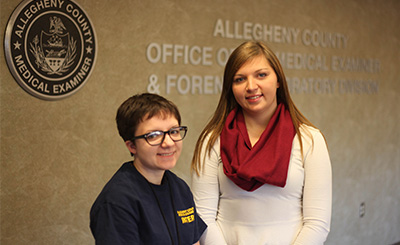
(299, 213)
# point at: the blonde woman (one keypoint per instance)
(261, 170)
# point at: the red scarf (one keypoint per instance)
(267, 162)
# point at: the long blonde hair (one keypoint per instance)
(227, 102)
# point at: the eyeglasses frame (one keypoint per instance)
(144, 136)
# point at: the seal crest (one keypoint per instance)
(50, 47)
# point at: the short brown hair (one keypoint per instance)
(141, 107)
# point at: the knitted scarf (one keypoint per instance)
(267, 162)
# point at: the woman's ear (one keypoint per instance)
(131, 146)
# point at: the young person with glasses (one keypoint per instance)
(144, 202)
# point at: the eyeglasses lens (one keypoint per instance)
(156, 138)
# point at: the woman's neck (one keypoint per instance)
(256, 125)
(152, 177)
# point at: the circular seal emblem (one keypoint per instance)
(50, 47)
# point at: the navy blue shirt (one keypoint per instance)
(127, 211)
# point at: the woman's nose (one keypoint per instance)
(167, 141)
(251, 84)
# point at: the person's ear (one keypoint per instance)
(131, 146)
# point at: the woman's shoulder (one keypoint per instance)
(308, 128)
(310, 134)
(176, 180)
(122, 190)
(215, 145)
(179, 185)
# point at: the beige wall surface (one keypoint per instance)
(57, 155)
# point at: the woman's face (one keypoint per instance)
(150, 160)
(254, 87)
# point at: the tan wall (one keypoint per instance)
(57, 155)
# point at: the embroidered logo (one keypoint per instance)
(187, 216)
(50, 47)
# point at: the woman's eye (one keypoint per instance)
(239, 79)
(175, 131)
(154, 135)
(262, 75)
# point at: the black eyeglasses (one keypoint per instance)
(157, 137)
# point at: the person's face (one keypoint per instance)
(254, 87)
(152, 161)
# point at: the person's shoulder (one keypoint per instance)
(176, 178)
(124, 185)
(180, 188)
(124, 176)
(207, 138)
(312, 137)
(177, 181)
(310, 134)
(310, 130)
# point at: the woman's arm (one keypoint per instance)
(317, 194)
(205, 190)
